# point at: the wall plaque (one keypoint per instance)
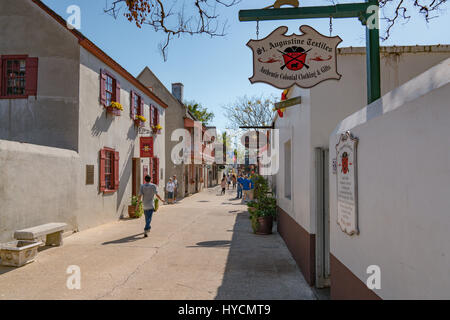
(305, 60)
(89, 174)
(347, 184)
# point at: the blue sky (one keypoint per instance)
(215, 71)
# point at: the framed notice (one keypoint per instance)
(347, 183)
(146, 147)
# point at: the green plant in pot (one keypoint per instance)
(263, 209)
(135, 203)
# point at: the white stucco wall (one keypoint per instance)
(403, 189)
(98, 130)
(38, 185)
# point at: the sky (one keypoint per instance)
(215, 71)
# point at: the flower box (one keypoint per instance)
(18, 253)
(138, 123)
(113, 111)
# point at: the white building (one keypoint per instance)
(303, 181)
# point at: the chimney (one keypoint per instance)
(177, 91)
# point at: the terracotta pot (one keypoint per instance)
(265, 225)
(132, 211)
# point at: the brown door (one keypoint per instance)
(136, 176)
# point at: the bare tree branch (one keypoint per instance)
(172, 18)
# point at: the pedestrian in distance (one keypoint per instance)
(228, 181)
(239, 186)
(147, 194)
(223, 184)
(170, 188)
(234, 180)
(247, 185)
(175, 193)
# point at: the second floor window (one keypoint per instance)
(136, 105)
(109, 89)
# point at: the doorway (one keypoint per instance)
(322, 218)
(136, 176)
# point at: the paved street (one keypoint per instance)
(200, 248)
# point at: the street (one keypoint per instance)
(200, 248)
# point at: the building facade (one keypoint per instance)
(70, 128)
(197, 174)
(303, 181)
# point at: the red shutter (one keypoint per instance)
(1, 76)
(116, 171)
(102, 170)
(141, 107)
(157, 170)
(151, 170)
(151, 115)
(31, 80)
(132, 104)
(117, 91)
(103, 87)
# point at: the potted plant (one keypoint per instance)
(139, 120)
(157, 129)
(114, 108)
(263, 209)
(132, 212)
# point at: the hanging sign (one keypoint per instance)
(347, 187)
(305, 60)
(146, 147)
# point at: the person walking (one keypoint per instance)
(234, 180)
(147, 194)
(223, 184)
(170, 188)
(228, 181)
(247, 186)
(239, 186)
(175, 192)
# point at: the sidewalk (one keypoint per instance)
(199, 248)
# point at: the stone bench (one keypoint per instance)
(52, 231)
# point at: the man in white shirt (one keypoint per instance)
(170, 188)
(148, 191)
(175, 193)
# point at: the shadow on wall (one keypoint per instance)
(102, 124)
(259, 267)
(132, 133)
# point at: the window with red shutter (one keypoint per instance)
(157, 171)
(18, 76)
(102, 170)
(109, 170)
(141, 106)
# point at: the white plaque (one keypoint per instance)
(305, 60)
(347, 184)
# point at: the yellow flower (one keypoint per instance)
(142, 118)
(116, 105)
